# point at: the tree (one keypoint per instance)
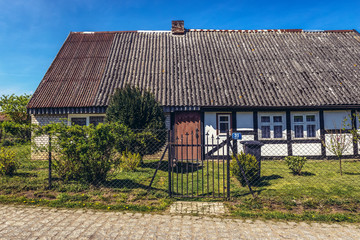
(18, 121)
(139, 111)
(14, 107)
(135, 109)
(339, 142)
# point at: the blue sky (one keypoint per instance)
(32, 31)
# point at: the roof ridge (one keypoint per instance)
(222, 30)
(268, 30)
(102, 32)
(246, 31)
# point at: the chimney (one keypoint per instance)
(177, 27)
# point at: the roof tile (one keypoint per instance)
(285, 68)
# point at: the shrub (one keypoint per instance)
(295, 163)
(8, 164)
(13, 133)
(80, 152)
(129, 161)
(138, 110)
(249, 165)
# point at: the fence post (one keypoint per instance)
(228, 165)
(50, 161)
(169, 161)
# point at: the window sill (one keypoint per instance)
(306, 138)
(272, 139)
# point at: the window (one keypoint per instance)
(272, 125)
(265, 119)
(298, 118)
(299, 131)
(86, 119)
(277, 131)
(78, 121)
(96, 120)
(265, 131)
(305, 125)
(223, 123)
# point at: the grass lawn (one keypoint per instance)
(207, 179)
(319, 193)
(320, 179)
(121, 190)
(320, 190)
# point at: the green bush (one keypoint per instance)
(14, 133)
(138, 110)
(295, 163)
(82, 153)
(249, 165)
(8, 164)
(129, 161)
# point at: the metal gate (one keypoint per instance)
(199, 166)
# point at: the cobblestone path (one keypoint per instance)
(19, 222)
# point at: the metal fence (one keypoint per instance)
(193, 164)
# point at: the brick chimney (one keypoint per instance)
(177, 27)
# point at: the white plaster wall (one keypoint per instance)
(335, 119)
(348, 142)
(269, 150)
(210, 124)
(210, 133)
(306, 149)
(210, 128)
(244, 121)
(220, 152)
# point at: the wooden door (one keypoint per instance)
(187, 135)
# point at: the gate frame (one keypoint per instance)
(172, 144)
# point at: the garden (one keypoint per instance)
(111, 167)
(320, 189)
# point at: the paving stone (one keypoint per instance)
(43, 223)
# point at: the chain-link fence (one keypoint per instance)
(189, 164)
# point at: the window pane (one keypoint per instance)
(78, 121)
(277, 131)
(277, 119)
(224, 118)
(299, 131)
(265, 119)
(96, 120)
(298, 118)
(224, 127)
(310, 118)
(311, 132)
(265, 131)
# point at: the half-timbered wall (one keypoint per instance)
(298, 133)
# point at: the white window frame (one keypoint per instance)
(87, 116)
(272, 124)
(218, 122)
(304, 123)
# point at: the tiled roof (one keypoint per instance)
(74, 76)
(284, 68)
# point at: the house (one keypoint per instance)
(289, 89)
